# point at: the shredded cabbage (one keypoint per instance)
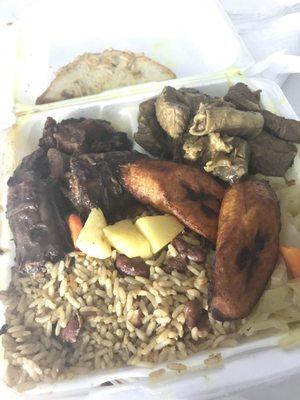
(279, 276)
(278, 307)
(274, 300)
(296, 222)
(275, 182)
(292, 339)
(289, 199)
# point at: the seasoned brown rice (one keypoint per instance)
(110, 306)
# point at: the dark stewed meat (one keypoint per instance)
(35, 161)
(243, 97)
(36, 207)
(39, 232)
(150, 135)
(94, 181)
(270, 156)
(247, 100)
(59, 164)
(283, 128)
(173, 112)
(83, 136)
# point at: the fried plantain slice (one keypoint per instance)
(193, 196)
(247, 248)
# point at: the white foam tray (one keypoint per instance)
(261, 357)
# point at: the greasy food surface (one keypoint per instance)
(247, 248)
(60, 176)
(191, 195)
(83, 136)
(93, 182)
(39, 231)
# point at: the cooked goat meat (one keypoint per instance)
(232, 163)
(196, 149)
(217, 117)
(59, 164)
(39, 232)
(64, 206)
(224, 156)
(243, 98)
(283, 128)
(150, 135)
(193, 97)
(220, 143)
(83, 136)
(191, 195)
(173, 112)
(94, 181)
(270, 156)
(247, 248)
(36, 161)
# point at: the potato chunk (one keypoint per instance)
(159, 230)
(91, 239)
(126, 238)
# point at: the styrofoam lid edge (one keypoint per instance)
(128, 91)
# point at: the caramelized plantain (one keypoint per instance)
(247, 248)
(191, 195)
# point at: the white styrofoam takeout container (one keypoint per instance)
(246, 365)
(251, 356)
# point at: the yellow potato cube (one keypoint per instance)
(127, 239)
(96, 218)
(159, 230)
(91, 239)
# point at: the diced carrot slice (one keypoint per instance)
(75, 225)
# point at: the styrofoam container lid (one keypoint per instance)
(191, 37)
